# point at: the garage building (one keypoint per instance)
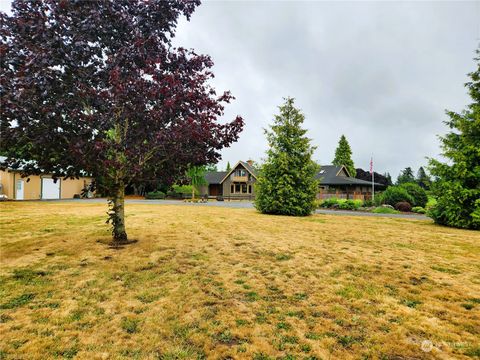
(39, 187)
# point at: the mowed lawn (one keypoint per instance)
(218, 283)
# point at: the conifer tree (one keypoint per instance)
(406, 176)
(423, 179)
(457, 185)
(287, 183)
(343, 156)
(228, 167)
(389, 178)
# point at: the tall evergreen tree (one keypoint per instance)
(228, 167)
(406, 176)
(423, 179)
(457, 185)
(343, 156)
(389, 178)
(286, 184)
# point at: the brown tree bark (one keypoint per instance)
(118, 216)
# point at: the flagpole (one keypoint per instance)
(373, 177)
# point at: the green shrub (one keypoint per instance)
(418, 194)
(155, 195)
(378, 199)
(396, 194)
(328, 203)
(181, 192)
(431, 202)
(183, 189)
(349, 204)
(418, 210)
(451, 212)
(357, 204)
(384, 210)
(368, 203)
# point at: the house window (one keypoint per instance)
(249, 189)
(244, 188)
(237, 188)
(240, 172)
(232, 189)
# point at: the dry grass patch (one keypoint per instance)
(206, 282)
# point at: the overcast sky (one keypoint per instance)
(382, 73)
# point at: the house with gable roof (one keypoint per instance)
(335, 181)
(239, 183)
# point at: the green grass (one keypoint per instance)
(17, 301)
(130, 325)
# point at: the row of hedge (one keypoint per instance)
(341, 204)
(177, 192)
(406, 198)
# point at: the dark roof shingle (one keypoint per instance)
(215, 177)
(328, 176)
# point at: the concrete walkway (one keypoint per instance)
(247, 205)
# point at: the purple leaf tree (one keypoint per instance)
(96, 87)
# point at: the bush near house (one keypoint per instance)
(418, 194)
(396, 194)
(342, 204)
(403, 206)
(155, 195)
(418, 210)
(350, 204)
(384, 210)
(328, 203)
(181, 191)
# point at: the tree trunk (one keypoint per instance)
(118, 215)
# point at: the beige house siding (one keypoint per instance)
(32, 188)
(33, 185)
(227, 189)
(239, 186)
(71, 187)
(6, 179)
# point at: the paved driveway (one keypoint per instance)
(249, 205)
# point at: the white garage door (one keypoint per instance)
(50, 190)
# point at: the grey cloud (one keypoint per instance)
(380, 73)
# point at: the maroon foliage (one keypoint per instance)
(403, 206)
(96, 87)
